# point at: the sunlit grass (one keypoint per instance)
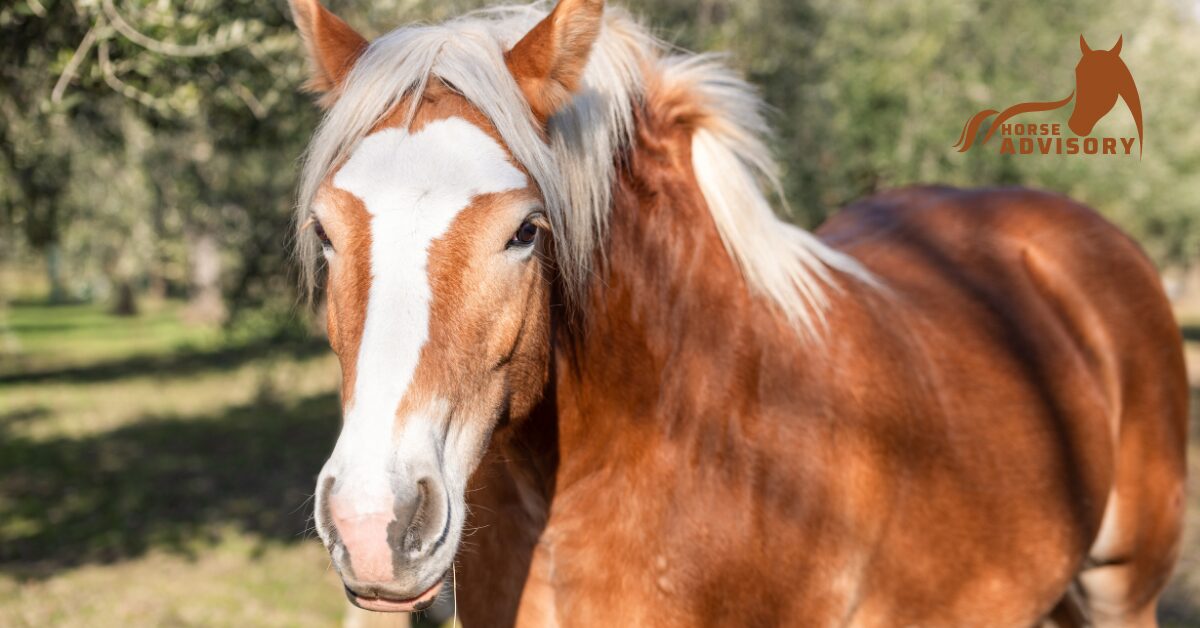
(57, 408)
(40, 336)
(235, 582)
(157, 473)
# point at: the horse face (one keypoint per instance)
(438, 312)
(1096, 86)
(438, 303)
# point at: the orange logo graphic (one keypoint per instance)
(1100, 77)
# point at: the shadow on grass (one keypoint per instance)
(180, 362)
(43, 328)
(13, 418)
(163, 483)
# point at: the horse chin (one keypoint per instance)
(384, 602)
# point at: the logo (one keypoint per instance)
(1100, 77)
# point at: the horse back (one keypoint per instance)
(1025, 362)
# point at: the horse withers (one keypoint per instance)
(588, 372)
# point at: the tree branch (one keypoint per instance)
(162, 47)
(125, 89)
(68, 73)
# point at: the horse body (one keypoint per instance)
(947, 458)
(957, 408)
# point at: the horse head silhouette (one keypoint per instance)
(1100, 77)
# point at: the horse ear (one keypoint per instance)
(332, 45)
(1117, 48)
(549, 61)
(1083, 45)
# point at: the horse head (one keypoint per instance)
(435, 234)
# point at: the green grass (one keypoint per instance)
(154, 473)
(34, 337)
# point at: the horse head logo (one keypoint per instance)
(1100, 77)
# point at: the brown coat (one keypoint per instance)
(945, 457)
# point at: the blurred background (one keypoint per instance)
(165, 403)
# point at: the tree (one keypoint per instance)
(155, 144)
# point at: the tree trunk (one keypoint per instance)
(58, 291)
(126, 302)
(206, 304)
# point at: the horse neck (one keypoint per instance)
(668, 317)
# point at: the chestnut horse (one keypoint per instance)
(586, 369)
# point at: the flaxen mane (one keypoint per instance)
(577, 169)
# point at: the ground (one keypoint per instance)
(157, 474)
(153, 473)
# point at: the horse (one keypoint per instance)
(1100, 77)
(590, 378)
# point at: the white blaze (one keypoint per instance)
(413, 186)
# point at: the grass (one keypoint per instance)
(35, 337)
(153, 473)
(233, 582)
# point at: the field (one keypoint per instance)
(153, 473)
(156, 474)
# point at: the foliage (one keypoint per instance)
(134, 130)
(149, 142)
(871, 95)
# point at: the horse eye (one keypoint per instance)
(525, 236)
(321, 235)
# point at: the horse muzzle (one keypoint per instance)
(387, 546)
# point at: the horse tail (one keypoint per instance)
(971, 128)
(1025, 107)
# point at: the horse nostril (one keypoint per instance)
(421, 524)
(412, 535)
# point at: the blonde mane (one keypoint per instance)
(577, 168)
